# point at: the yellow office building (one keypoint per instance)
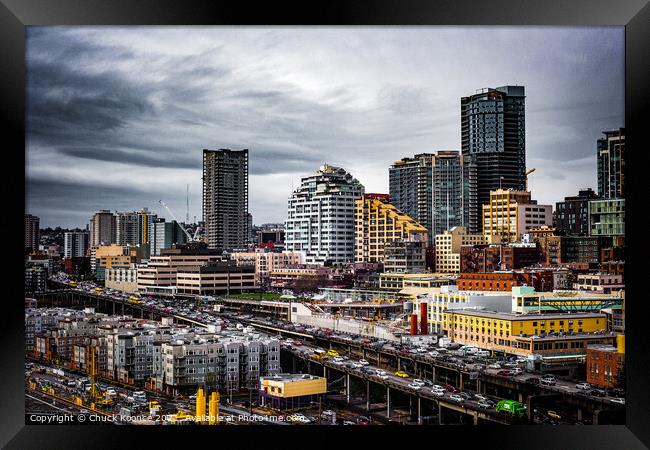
(377, 223)
(527, 334)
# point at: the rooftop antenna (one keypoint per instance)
(187, 211)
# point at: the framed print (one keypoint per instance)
(365, 222)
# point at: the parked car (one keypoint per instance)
(583, 386)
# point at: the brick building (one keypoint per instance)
(604, 362)
(491, 258)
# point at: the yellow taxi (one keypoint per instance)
(553, 415)
(401, 374)
(333, 353)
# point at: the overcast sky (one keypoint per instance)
(118, 117)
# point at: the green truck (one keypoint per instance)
(511, 407)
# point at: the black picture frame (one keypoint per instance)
(15, 15)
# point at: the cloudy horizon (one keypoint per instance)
(117, 117)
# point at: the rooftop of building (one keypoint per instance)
(529, 316)
(603, 348)
(291, 377)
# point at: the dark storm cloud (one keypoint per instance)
(117, 117)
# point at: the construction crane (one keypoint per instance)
(528, 172)
(190, 238)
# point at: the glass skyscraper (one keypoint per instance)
(429, 188)
(493, 142)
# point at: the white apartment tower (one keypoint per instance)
(321, 214)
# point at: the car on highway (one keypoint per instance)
(401, 374)
(553, 415)
(415, 386)
(418, 381)
(456, 398)
(547, 380)
(363, 362)
(333, 353)
(620, 401)
(583, 386)
(516, 371)
(533, 380)
(438, 392)
(381, 372)
(504, 373)
(451, 388)
(616, 392)
(598, 393)
(485, 404)
(465, 396)
(494, 366)
(481, 397)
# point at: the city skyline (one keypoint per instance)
(103, 135)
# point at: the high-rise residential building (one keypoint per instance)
(164, 235)
(32, 231)
(611, 164)
(225, 198)
(446, 191)
(320, 219)
(607, 217)
(378, 223)
(510, 214)
(429, 188)
(571, 216)
(410, 181)
(448, 246)
(103, 229)
(75, 244)
(134, 228)
(493, 140)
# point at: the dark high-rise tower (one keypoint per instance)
(225, 198)
(572, 215)
(611, 164)
(493, 141)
